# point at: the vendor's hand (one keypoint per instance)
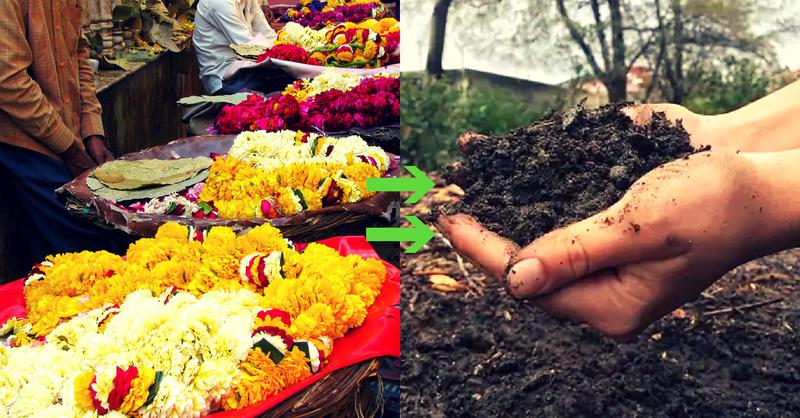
(703, 129)
(77, 160)
(96, 148)
(677, 230)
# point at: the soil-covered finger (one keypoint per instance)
(485, 248)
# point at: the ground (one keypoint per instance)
(471, 350)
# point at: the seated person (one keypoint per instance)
(220, 23)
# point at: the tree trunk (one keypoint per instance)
(436, 46)
(617, 87)
(617, 79)
(678, 89)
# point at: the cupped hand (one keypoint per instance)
(703, 129)
(96, 148)
(677, 230)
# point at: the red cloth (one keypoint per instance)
(378, 336)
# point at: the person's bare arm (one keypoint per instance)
(768, 124)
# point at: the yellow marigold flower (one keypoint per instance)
(263, 238)
(139, 391)
(370, 50)
(83, 397)
(174, 231)
(262, 378)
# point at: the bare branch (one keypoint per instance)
(576, 35)
(599, 29)
(662, 50)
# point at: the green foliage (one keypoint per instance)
(435, 112)
(717, 92)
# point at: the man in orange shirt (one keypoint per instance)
(50, 123)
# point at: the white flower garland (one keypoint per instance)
(197, 343)
(271, 150)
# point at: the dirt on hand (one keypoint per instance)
(560, 169)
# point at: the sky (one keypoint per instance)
(545, 68)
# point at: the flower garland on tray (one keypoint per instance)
(277, 174)
(180, 327)
(316, 14)
(334, 104)
(369, 44)
(271, 175)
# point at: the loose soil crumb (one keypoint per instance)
(561, 169)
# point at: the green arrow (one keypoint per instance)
(419, 184)
(418, 233)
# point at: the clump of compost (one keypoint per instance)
(561, 169)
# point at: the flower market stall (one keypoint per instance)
(186, 327)
(250, 289)
(309, 186)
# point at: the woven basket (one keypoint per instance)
(347, 219)
(339, 394)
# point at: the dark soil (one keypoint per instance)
(479, 353)
(561, 169)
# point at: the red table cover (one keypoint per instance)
(378, 336)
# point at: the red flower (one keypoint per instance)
(374, 102)
(270, 124)
(286, 52)
(276, 314)
(122, 385)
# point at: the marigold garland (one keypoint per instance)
(241, 319)
(272, 175)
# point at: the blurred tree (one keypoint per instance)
(717, 92)
(614, 70)
(438, 32)
(679, 39)
(486, 27)
(695, 36)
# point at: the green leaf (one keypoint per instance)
(161, 33)
(299, 195)
(205, 207)
(153, 391)
(274, 354)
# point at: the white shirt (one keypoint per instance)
(217, 25)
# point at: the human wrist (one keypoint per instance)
(73, 150)
(775, 181)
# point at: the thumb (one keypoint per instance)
(600, 242)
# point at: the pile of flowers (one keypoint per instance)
(335, 103)
(271, 175)
(277, 174)
(369, 44)
(319, 13)
(180, 327)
